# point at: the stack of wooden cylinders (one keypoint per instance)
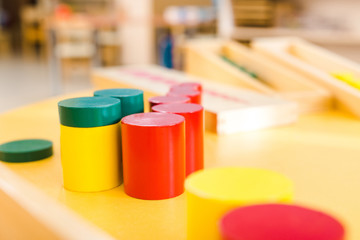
(108, 139)
(90, 153)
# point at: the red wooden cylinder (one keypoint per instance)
(195, 96)
(167, 99)
(194, 129)
(191, 85)
(279, 222)
(153, 146)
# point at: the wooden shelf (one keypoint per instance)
(314, 35)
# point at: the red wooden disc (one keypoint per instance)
(195, 96)
(167, 99)
(279, 222)
(192, 85)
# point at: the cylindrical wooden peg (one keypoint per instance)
(153, 155)
(194, 129)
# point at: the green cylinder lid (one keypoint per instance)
(132, 100)
(85, 112)
(26, 150)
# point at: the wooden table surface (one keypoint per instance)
(320, 153)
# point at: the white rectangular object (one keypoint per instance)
(227, 109)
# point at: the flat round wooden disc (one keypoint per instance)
(279, 222)
(26, 150)
(85, 112)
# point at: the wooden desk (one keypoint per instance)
(320, 153)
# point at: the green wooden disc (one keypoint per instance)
(132, 100)
(87, 112)
(26, 150)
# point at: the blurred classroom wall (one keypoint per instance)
(65, 39)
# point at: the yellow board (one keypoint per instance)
(320, 153)
(213, 192)
(347, 78)
(90, 158)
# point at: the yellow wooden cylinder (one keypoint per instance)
(212, 192)
(91, 158)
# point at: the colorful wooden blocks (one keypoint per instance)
(90, 147)
(227, 109)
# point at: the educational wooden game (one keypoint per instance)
(227, 110)
(313, 162)
(318, 65)
(99, 165)
(235, 64)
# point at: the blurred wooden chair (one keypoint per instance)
(75, 48)
(109, 46)
(33, 30)
(5, 46)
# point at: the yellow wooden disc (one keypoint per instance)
(212, 192)
(240, 185)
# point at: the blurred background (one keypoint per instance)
(48, 47)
